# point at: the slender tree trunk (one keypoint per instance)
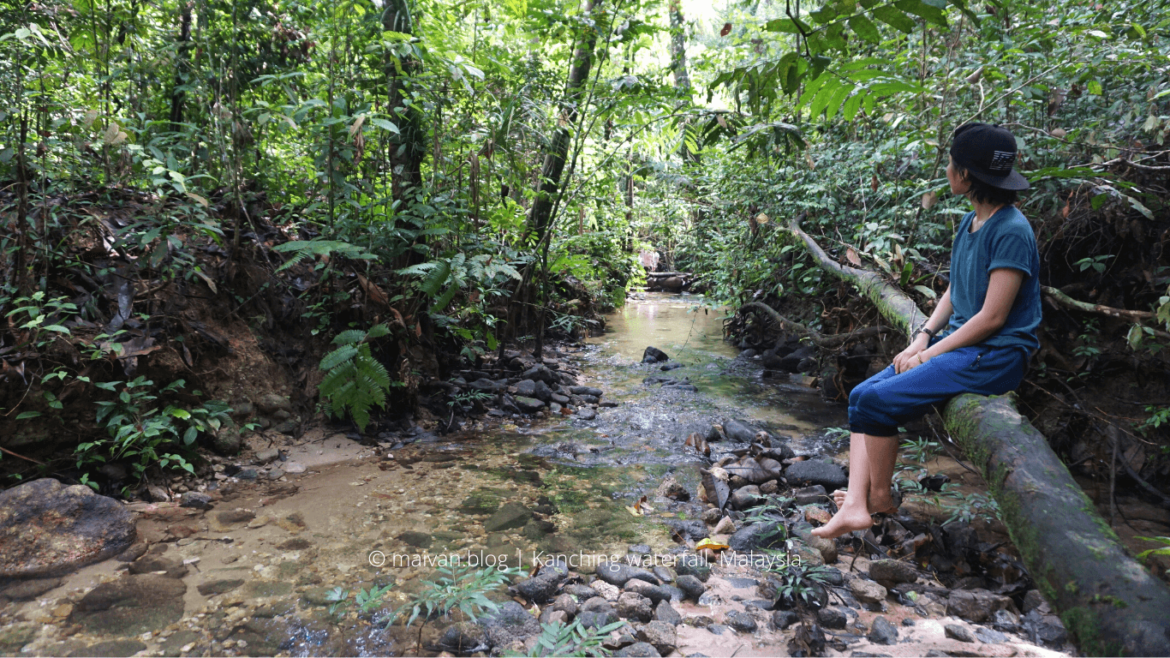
(407, 151)
(540, 217)
(182, 67)
(678, 64)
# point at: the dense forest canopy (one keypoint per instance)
(491, 171)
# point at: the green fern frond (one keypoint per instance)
(349, 337)
(355, 381)
(338, 357)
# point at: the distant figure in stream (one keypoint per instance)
(979, 337)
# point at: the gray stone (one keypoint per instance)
(638, 650)
(746, 497)
(654, 355)
(988, 636)
(582, 592)
(227, 440)
(172, 567)
(195, 500)
(693, 530)
(288, 427)
(528, 405)
(543, 392)
(538, 589)
(1032, 600)
(976, 605)
(565, 604)
(131, 605)
(758, 536)
(510, 515)
(586, 390)
(814, 471)
(111, 648)
(15, 636)
(738, 432)
(832, 617)
(692, 587)
(270, 403)
(267, 455)
(416, 539)
(617, 574)
(892, 572)
(585, 413)
(960, 633)
(30, 589)
(598, 618)
(487, 385)
(653, 592)
(511, 623)
(810, 495)
(662, 635)
(635, 606)
(216, 587)
(741, 621)
(47, 528)
(527, 388)
(463, 638)
(867, 591)
(782, 619)
(666, 612)
(692, 564)
(882, 632)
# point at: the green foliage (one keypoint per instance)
(1164, 550)
(318, 248)
(572, 639)
(920, 448)
(355, 381)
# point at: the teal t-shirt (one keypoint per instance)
(1004, 240)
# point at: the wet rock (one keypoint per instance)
(565, 603)
(692, 565)
(232, 517)
(832, 617)
(480, 502)
(782, 619)
(738, 432)
(664, 574)
(270, 403)
(976, 605)
(632, 605)
(216, 587)
(267, 455)
(537, 590)
(30, 589)
(654, 355)
(653, 592)
(487, 386)
(758, 536)
(814, 471)
(746, 497)
(227, 440)
(585, 413)
(1006, 621)
(528, 405)
(1045, 628)
(247, 473)
(661, 634)
(319, 596)
(1032, 600)
(960, 633)
(637, 650)
(988, 636)
(867, 591)
(195, 500)
(691, 586)
(526, 388)
(891, 572)
(173, 644)
(810, 495)
(464, 638)
(508, 516)
(511, 623)
(725, 526)
(131, 605)
(133, 553)
(693, 530)
(586, 390)
(543, 392)
(582, 592)
(599, 617)
(717, 629)
(171, 567)
(671, 488)
(48, 528)
(416, 539)
(665, 612)
(608, 592)
(882, 632)
(617, 574)
(741, 621)
(15, 636)
(111, 648)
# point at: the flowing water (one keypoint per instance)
(266, 565)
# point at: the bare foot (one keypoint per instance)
(888, 508)
(844, 522)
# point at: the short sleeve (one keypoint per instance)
(1014, 250)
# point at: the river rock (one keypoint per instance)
(655, 593)
(758, 536)
(654, 355)
(48, 528)
(810, 495)
(691, 564)
(814, 471)
(270, 403)
(637, 650)
(661, 634)
(738, 432)
(891, 572)
(832, 617)
(746, 497)
(671, 488)
(538, 589)
(582, 592)
(632, 605)
(691, 586)
(172, 567)
(782, 619)
(131, 605)
(510, 515)
(867, 591)
(267, 455)
(565, 603)
(666, 613)
(195, 500)
(511, 623)
(540, 372)
(526, 388)
(693, 530)
(976, 605)
(958, 632)
(30, 589)
(528, 405)
(882, 632)
(618, 574)
(585, 413)
(741, 621)
(463, 638)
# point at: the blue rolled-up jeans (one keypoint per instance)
(887, 400)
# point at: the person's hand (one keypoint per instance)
(909, 357)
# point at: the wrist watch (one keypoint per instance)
(926, 330)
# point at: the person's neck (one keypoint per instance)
(983, 212)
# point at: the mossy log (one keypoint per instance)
(1110, 603)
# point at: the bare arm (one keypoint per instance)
(938, 320)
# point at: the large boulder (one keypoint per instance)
(47, 528)
(758, 536)
(654, 355)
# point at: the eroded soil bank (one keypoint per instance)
(297, 528)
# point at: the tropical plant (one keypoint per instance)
(355, 381)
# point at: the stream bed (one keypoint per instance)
(276, 565)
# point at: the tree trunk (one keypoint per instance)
(540, 216)
(1111, 604)
(678, 64)
(407, 151)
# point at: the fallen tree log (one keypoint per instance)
(818, 339)
(1110, 603)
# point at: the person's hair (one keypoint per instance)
(987, 193)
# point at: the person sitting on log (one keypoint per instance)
(979, 338)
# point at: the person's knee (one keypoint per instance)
(869, 402)
(857, 392)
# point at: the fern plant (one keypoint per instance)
(356, 381)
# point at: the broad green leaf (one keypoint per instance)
(865, 28)
(895, 18)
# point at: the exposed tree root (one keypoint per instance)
(818, 339)
(1111, 604)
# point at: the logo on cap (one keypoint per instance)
(1001, 161)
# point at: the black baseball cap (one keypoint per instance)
(988, 153)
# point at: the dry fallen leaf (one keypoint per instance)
(726, 30)
(1058, 133)
(929, 199)
(852, 257)
(974, 77)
